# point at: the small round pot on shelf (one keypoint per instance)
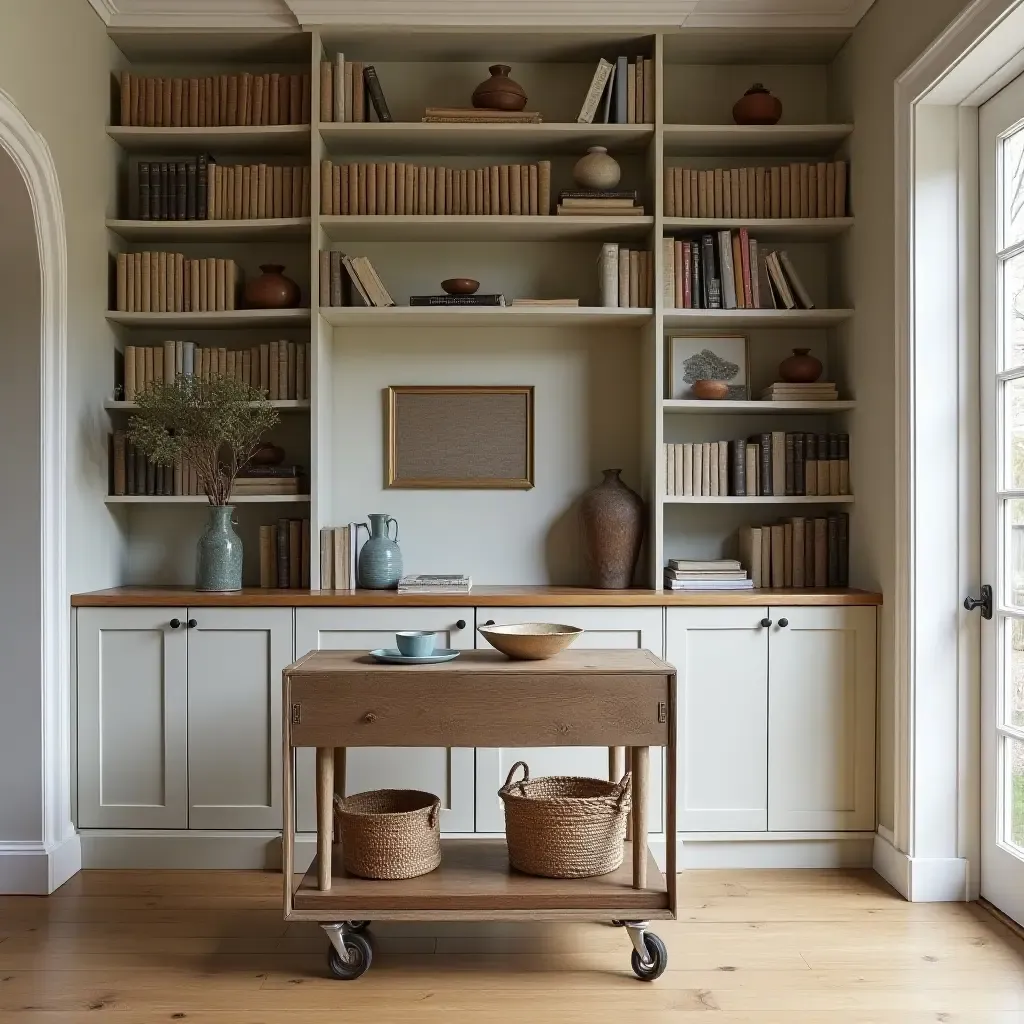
(271, 290)
(800, 368)
(710, 390)
(757, 106)
(459, 286)
(499, 92)
(597, 169)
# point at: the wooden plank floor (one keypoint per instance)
(752, 947)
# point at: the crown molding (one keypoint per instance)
(195, 14)
(104, 8)
(777, 14)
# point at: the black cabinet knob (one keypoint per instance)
(192, 623)
(489, 622)
(461, 624)
(175, 623)
(783, 623)
(765, 623)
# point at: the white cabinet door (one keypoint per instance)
(448, 772)
(605, 627)
(132, 717)
(821, 719)
(235, 660)
(721, 657)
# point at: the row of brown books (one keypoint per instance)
(772, 464)
(133, 473)
(344, 277)
(798, 552)
(284, 555)
(338, 557)
(169, 282)
(792, 190)
(280, 369)
(400, 188)
(214, 101)
(626, 276)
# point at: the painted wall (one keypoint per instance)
(889, 38)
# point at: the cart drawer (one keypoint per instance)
(479, 710)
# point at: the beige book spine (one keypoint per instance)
(532, 203)
(180, 277)
(668, 272)
(274, 380)
(785, 209)
(830, 190)
(176, 102)
(798, 551)
(714, 483)
(840, 188)
(787, 555)
(161, 282)
(544, 187)
(129, 373)
(778, 556)
(464, 191)
(264, 193)
(140, 370)
(741, 204)
(697, 483)
(166, 96)
(668, 198)
(211, 284)
(515, 194)
(126, 97)
(824, 477)
(731, 192)
(702, 194)
(363, 175)
(122, 282)
(341, 190)
(382, 189)
(794, 190)
(274, 115)
(821, 552)
(286, 352)
(300, 372)
(705, 469)
(146, 299)
(805, 191)
(232, 284)
(694, 207)
(325, 278)
(371, 189)
(327, 191)
(812, 190)
(263, 376)
(400, 189)
(687, 471)
(358, 92)
(808, 552)
(631, 94)
(775, 174)
(288, 205)
(719, 210)
(277, 209)
(822, 177)
(422, 190)
(353, 188)
(326, 91)
(238, 194)
(430, 185)
(624, 263)
(634, 279)
(149, 371)
(390, 188)
(247, 209)
(504, 199)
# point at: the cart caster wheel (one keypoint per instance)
(357, 926)
(360, 956)
(618, 924)
(658, 959)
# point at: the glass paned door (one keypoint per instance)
(1001, 167)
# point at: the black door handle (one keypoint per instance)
(461, 624)
(489, 622)
(783, 623)
(192, 623)
(175, 623)
(765, 623)
(984, 602)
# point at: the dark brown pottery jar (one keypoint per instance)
(612, 519)
(757, 106)
(271, 290)
(499, 92)
(800, 368)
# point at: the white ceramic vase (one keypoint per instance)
(597, 170)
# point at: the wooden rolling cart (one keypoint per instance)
(616, 699)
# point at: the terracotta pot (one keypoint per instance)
(800, 368)
(612, 520)
(710, 390)
(499, 92)
(267, 454)
(271, 290)
(459, 286)
(597, 169)
(757, 106)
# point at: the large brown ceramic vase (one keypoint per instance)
(612, 517)
(271, 290)
(499, 92)
(757, 106)
(800, 368)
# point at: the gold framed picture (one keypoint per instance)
(464, 437)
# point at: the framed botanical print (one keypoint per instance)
(708, 357)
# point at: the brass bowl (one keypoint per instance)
(530, 641)
(460, 285)
(710, 390)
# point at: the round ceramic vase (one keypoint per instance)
(380, 558)
(272, 290)
(757, 106)
(612, 518)
(219, 552)
(597, 170)
(800, 368)
(499, 92)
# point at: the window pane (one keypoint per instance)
(1014, 409)
(1014, 595)
(1013, 311)
(1013, 189)
(1015, 793)
(1015, 698)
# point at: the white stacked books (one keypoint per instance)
(716, 574)
(433, 584)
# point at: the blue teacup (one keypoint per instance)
(416, 643)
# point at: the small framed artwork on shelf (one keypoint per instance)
(694, 360)
(460, 437)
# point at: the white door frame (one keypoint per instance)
(933, 851)
(40, 865)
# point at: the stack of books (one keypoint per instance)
(273, 480)
(784, 285)
(479, 299)
(626, 276)
(599, 202)
(338, 556)
(822, 391)
(716, 574)
(798, 552)
(343, 278)
(430, 584)
(478, 115)
(620, 93)
(348, 89)
(284, 555)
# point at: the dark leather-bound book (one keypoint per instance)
(457, 300)
(142, 190)
(282, 552)
(790, 464)
(833, 550)
(765, 443)
(799, 464)
(738, 467)
(181, 191)
(191, 186)
(155, 192)
(376, 93)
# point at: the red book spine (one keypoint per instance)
(748, 296)
(687, 289)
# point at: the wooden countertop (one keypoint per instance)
(497, 597)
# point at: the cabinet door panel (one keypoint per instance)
(821, 712)
(721, 656)
(132, 718)
(448, 772)
(609, 628)
(235, 660)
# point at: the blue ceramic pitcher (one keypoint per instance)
(380, 558)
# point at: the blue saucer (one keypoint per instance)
(393, 656)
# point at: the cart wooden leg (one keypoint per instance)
(324, 814)
(339, 771)
(628, 767)
(640, 760)
(616, 763)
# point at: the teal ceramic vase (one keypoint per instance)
(219, 552)
(380, 558)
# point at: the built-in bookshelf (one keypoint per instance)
(539, 256)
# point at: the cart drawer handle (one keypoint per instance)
(369, 717)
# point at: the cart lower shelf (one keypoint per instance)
(475, 882)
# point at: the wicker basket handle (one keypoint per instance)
(435, 812)
(624, 786)
(512, 771)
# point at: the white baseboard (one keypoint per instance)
(921, 879)
(697, 850)
(33, 869)
(171, 848)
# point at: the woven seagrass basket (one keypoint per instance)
(564, 827)
(389, 833)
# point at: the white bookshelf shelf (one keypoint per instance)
(754, 318)
(485, 316)
(268, 229)
(789, 499)
(698, 407)
(221, 319)
(484, 228)
(275, 138)
(201, 499)
(752, 139)
(483, 139)
(285, 405)
(768, 229)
